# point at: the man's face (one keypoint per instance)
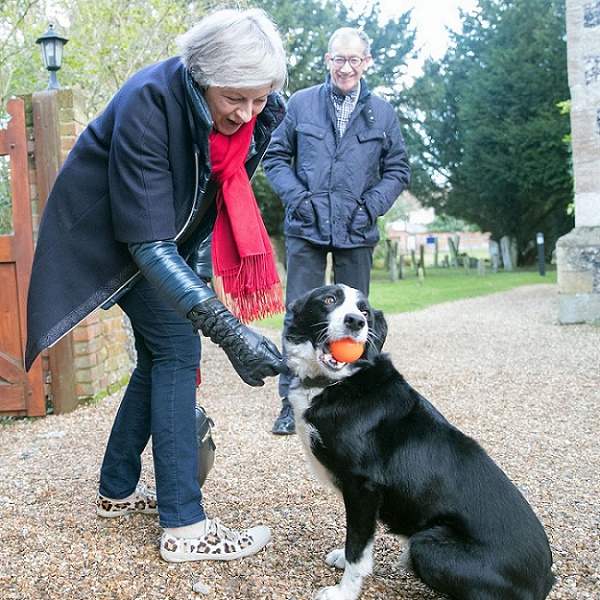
(346, 77)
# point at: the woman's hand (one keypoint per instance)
(252, 355)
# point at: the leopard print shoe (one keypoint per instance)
(218, 543)
(141, 501)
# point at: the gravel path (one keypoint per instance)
(499, 367)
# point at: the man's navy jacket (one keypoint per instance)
(333, 189)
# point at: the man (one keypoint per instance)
(337, 161)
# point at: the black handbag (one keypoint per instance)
(206, 444)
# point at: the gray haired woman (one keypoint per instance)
(163, 167)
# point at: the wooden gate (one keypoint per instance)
(21, 393)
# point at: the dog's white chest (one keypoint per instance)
(301, 399)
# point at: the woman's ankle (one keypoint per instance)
(129, 498)
(195, 530)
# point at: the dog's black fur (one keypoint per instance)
(393, 457)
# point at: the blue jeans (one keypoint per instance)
(305, 270)
(159, 402)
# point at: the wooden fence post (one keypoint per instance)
(46, 127)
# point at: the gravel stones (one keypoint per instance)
(500, 367)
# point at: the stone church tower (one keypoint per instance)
(578, 252)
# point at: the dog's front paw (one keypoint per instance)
(336, 558)
(330, 593)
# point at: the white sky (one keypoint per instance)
(429, 17)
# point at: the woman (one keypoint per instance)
(166, 164)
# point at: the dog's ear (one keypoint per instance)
(377, 333)
(295, 309)
(297, 305)
(378, 330)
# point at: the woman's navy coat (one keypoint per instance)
(136, 174)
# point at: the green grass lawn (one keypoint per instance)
(439, 285)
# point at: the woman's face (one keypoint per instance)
(230, 108)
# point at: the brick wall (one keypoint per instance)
(102, 342)
(101, 357)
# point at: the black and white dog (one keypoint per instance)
(392, 456)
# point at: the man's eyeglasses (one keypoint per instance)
(354, 61)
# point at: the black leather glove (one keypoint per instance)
(252, 355)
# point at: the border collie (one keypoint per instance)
(393, 457)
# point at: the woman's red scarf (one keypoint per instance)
(243, 260)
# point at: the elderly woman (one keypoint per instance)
(166, 165)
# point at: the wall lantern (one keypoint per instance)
(52, 52)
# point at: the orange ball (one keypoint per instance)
(346, 350)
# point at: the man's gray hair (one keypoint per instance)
(349, 32)
(235, 48)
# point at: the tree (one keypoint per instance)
(108, 41)
(111, 39)
(306, 26)
(493, 130)
(18, 51)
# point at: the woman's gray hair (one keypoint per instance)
(235, 48)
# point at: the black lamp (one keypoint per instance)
(52, 51)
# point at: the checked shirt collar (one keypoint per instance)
(344, 105)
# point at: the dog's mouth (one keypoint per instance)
(325, 356)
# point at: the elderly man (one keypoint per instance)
(337, 161)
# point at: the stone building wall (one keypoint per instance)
(578, 252)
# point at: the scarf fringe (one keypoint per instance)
(259, 305)
(246, 277)
(253, 291)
